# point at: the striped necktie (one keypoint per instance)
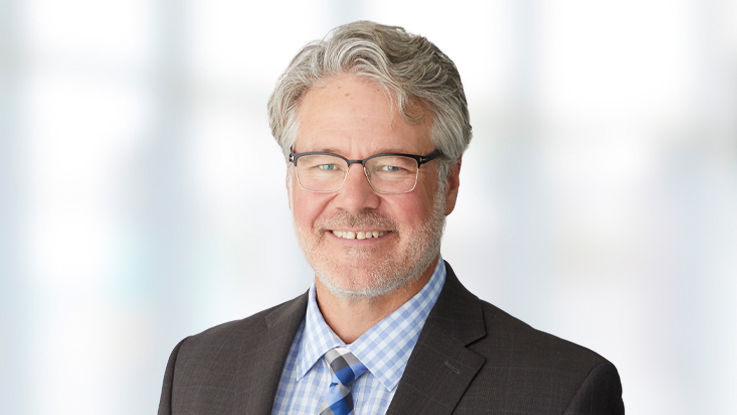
(346, 368)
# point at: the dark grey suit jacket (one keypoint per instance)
(471, 358)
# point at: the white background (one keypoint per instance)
(143, 198)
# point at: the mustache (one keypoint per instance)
(367, 219)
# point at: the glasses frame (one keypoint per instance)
(293, 157)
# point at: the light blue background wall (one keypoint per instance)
(143, 199)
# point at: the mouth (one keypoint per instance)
(359, 234)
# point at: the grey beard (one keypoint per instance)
(384, 280)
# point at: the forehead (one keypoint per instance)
(354, 114)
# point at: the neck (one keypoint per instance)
(350, 317)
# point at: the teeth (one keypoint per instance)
(359, 235)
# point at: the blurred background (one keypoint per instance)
(142, 198)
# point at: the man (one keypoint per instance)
(373, 123)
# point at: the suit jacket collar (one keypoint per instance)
(441, 366)
(281, 325)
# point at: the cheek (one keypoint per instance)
(410, 210)
(425, 200)
(307, 207)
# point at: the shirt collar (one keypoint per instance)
(385, 348)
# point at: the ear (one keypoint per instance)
(288, 185)
(452, 184)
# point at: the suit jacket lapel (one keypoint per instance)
(259, 377)
(441, 366)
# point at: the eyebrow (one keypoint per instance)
(318, 149)
(329, 150)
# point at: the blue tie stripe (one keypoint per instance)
(347, 374)
(343, 406)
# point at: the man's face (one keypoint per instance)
(353, 117)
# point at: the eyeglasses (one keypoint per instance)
(387, 173)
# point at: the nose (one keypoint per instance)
(356, 194)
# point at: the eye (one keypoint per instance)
(390, 169)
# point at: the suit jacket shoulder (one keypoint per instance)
(472, 358)
(233, 367)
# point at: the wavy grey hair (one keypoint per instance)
(411, 68)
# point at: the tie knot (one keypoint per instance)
(345, 366)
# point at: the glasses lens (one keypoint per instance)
(392, 174)
(321, 172)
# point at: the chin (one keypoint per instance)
(361, 286)
(381, 279)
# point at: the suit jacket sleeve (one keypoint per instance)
(600, 393)
(233, 368)
(166, 389)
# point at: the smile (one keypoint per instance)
(359, 235)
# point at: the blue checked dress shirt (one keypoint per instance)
(384, 349)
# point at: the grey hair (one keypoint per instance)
(410, 67)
